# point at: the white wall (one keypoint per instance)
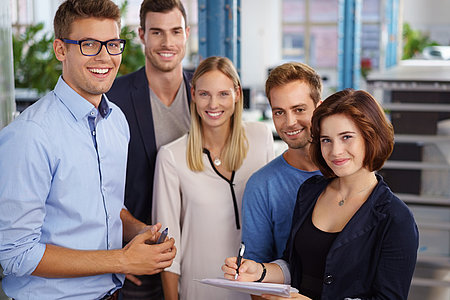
(430, 16)
(260, 40)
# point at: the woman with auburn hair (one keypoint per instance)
(351, 237)
(200, 180)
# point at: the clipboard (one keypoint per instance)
(253, 288)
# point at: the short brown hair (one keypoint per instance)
(71, 10)
(369, 117)
(161, 6)
(293, 71)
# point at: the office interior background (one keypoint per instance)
(399, 50)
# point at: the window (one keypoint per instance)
(310, 34)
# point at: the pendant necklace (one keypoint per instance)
(342, 202)
(217, 161)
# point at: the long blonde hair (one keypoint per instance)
(236, 145)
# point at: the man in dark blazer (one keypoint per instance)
(155, 100)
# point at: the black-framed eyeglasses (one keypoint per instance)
(93, 47)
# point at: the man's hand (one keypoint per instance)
(141, 256)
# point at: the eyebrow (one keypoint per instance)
(291, 107)
(339, 134)
(160, 29)
(346, 132)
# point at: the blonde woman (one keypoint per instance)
(200, 180)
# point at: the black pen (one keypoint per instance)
(239, 259)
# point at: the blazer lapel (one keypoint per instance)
(140, 98)
(366, 218)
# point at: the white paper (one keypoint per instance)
(253, 288)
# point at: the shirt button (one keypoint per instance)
(328, 279)
(109, 245)
(92, 113)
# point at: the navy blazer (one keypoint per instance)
(131, 93)
(375, 254)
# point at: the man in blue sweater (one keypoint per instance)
(294, 91)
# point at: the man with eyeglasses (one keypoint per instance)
(62, 178)
(155, 100)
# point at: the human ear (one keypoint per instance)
(141, 33)
(60, 49)
(238, 95)
(192, 93)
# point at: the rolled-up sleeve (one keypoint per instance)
(284, 266)
(25, 180)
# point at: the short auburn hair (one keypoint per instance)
(72, 10)
(368, 116)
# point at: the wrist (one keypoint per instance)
(122, 261)
(263, 273)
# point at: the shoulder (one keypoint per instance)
(257, 132)
(188, 74)
(267, 171)
(313, 184)
(44, 113)
(32, 130)
(176, 147)
(265, 178)
(119, 117)
(116, 110)
(316, 180)
(255, 127)
(388, 203)
(124, 83)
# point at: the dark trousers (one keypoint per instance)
(151, 289)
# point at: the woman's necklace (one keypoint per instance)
(343, 199)
(217, 161)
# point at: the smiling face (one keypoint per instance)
(215, 97)
(89, 76)
(342, 145)
(164, 38)
(292, 109)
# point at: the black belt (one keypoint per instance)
(114, 296)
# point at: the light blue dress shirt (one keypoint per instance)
(62, 179)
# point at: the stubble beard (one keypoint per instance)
(299, 144)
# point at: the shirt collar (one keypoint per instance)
(78, 106)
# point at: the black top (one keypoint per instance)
(312, 245)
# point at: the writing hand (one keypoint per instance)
(248, 271)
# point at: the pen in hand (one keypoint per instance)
(239, 259)
(163, 236)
